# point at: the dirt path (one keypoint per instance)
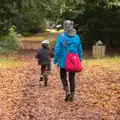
(35, 44)
(24, 98)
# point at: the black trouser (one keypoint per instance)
(71, 79)
(43, 68)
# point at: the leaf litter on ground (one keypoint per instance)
(22, 97)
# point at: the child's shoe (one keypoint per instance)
(41, 78)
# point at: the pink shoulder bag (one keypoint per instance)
(73, 63)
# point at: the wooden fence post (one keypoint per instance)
(98, 51)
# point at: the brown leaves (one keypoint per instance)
(23, 98)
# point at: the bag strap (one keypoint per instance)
(64, 40)
(65, 44)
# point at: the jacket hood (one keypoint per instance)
(69, 40)
(71, 32)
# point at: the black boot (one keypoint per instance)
(71, 98)
(67, 97)
(67, 94)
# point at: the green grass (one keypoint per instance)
(53, 42)
(33, 38)
(107, 62)
(9, 63)
(55, 31)
(39, 37)
(112, 63)
(42, 36)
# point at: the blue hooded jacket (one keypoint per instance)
(73, 45)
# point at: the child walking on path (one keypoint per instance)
(73, 45)
(44, 57)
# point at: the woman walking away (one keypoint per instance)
(68, 41)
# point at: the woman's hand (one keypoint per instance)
(56, 66)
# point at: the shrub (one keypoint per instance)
(26, 34)
(9, 42)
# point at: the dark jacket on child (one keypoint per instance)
(43, 56)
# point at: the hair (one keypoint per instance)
(45, 45)
(68, 25)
